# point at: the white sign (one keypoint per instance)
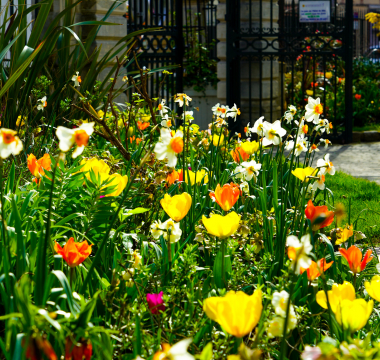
(314, 11)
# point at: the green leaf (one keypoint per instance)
(66, 288)
(217, 269)
(21, 253)
(206, 353)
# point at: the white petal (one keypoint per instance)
(77, 151)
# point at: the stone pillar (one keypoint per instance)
(255, 71)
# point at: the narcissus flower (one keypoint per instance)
(142, 125)
(316, 269)
(226, 196)
(237, 313)
(373, 287)
(166, 122)
(258, 127)
(155, 302)
(169, 147)
(276, 325)
(248, 170)
(280, 302)
(273, 132)
(299, 250)
(171, 227)
(239, 154)
(354, 256)
(177, 206)
(222, 226)
(220, 110)
(79, 136)
(155, 229)
(233, 112)
(250, 147)
(41, 103)
(319, 216)
(10, 144)
(78, 350)
(37, 167)
(182, 99)
(176, 352)
(325, 165)
(304, 173)
(313, 109)
(74, 253)
(319, 183)
(137, 259)
(77, 79)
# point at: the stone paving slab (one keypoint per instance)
(359, 160)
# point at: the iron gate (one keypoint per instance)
(274, 61)
(179, 21)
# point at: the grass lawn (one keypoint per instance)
(365, 202)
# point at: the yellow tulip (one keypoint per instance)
(309, 92)
(177, 206)
(97, 166)
(302, 173)
(117, 180)
(353, 315)
(328, 75)
(336, 295)
(198, 177)
(237, 313)
(250, 147)
(216, 141)
(373, 287)
(222, 226)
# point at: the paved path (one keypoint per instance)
(359, 160)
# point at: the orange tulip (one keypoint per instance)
(37, 346)
(142, 125)
(239, 153)
(37, 167)
(353, 255)
(226, 196)
(319, 216)
(316, 269)
(74, 253)
(172, 177)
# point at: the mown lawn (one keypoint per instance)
(364, 197)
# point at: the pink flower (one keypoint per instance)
(155, 302)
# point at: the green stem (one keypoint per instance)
(223, 259)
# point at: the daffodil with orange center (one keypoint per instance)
(79, 136)
(319, 216)
(316, 269)
(10, 144)
(176, 352)
(226, 196)
(354, 257)
(169, 146)
(37, 167)
(74, 253)
(314, 110)
(239, 154)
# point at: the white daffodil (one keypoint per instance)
(276, 325)
(172, 227)
(77, 79)
(249, 169)
(299, 250)
(258, 127)
(280, 302)
(163, 108)
(325, 165)
(292, 109)
(322, 126)
(41, 103)
(176, 352)
(319, 183)
(327, 142)
(166, 122)
(301, 145)
(310, 192)
(219, 122)
(79, 136)
(125, 78)
(10, 144)
(156, 229)
(313, 109)
(182, 99)
(169, 147)
(274, 132)
(244, 187)
(288, 117)
(188, 116)
(220, 110)
(233, 112)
